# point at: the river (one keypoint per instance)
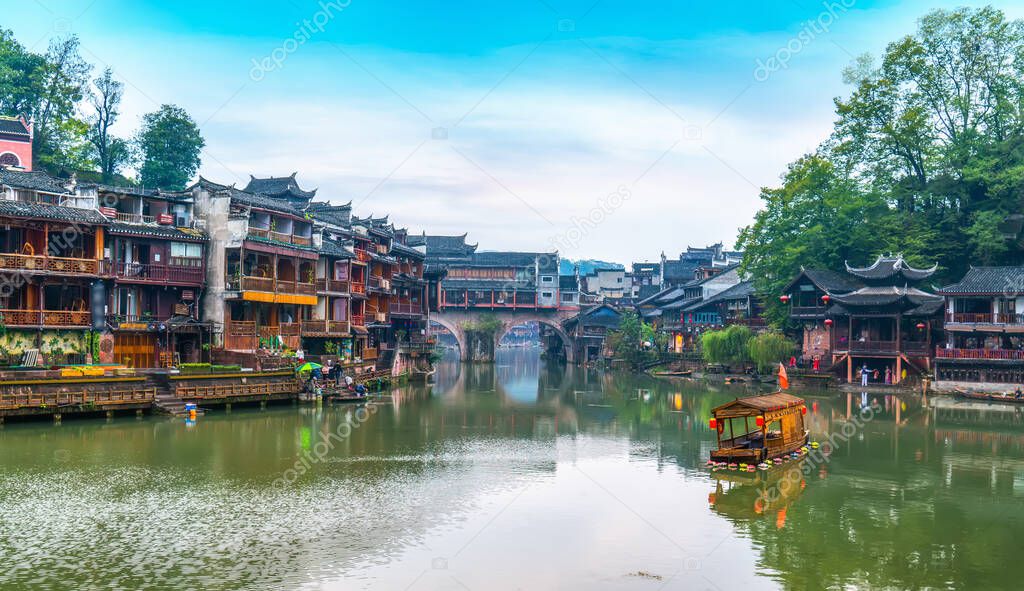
(513, 476)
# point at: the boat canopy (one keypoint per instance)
(758, 405)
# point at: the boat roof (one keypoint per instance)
(759, 404)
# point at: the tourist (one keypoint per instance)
(864, 373)
(888, 376)
(792, 361)
(1018, 394)
(817, 364)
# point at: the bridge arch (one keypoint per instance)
(455, 327)
(553, 324)
(454, 319)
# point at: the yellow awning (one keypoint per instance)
(279, 298)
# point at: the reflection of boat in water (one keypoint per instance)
(983, 397)
(673, 374)
(743, 496)
(760, 428)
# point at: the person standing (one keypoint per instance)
(817, 364)
(864, 373)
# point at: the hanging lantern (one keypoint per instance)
(784, 299)
(803, 410)
(828, 322)
(920, 326)
(712, 423)
(825, 298)
(759, 421)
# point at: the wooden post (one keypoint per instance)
(849, 368)
(899, 369)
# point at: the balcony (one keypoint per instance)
(363, 256)
(63, 318)
(912, 347)
(146, 273)
(132, 321)
(983, 354)
(359, 288)
(47, 264)
(332, 285)
(269, 284)
(406, 308)
(984, 318)
(134, 218)
(358, 320)
(285, 238)
(325, 327)
(807, 311)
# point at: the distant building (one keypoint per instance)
(678, 272)
(606, 284)
(16, 143)
(644, 280)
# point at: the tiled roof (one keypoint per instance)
(13, 126)
(169, 232)
(278, 186)
(885, 296)
(740, 291)
(43, 211)
(397, 247)
(885, 267)
(335, 215)
(33, 181)
(989, 281)
(251, 199)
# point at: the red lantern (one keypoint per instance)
(920, 326)
(803, 410)
(828, 322)
(759, 421)
(825, 298)
(784, 299)
(712, 424)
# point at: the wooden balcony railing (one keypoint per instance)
(280, 237)
(159, 273)
(358, 320)
(257, 283)
(363, 256)
(284, 286)
(305, 288)
(270, 284)
(358, 288)
(325, 327)
(302, 240)
(290, 329)
(405, 308)
(369, 353)
(332, 285)
(64, 265)
(873, 346)
(45, 318)
(259, 232)
(807, 310)
(943, 353)
(984, 318)
(28, 398)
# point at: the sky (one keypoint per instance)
(606, 129)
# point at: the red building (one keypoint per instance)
(15, 143)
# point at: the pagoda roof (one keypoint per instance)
(827, 281)
(280, 186)
(988, 281)
(14, 126)
(337, 215)
(886, 267)
(911, 300)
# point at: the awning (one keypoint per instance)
(360, 330)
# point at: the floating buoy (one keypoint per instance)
(814, 444)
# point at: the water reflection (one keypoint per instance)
(516, 475)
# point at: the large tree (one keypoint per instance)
(168, 147)
(111, 153)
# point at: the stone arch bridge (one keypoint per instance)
(470, 347)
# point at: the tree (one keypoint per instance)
(635, 341)
(727, 346)
(769, 349)
(168, 146)
(111, 152)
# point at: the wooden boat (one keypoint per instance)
(758, 428)
(674, 374)
(984, 397)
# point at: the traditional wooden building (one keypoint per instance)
(52, 265)
(984, 328)
(156, 257)
(589, 330)
(884, 323)
(497, 280)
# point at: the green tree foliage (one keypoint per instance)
(635, 341)
(48, 88)
(728, 346)
(926, 158)
(168, 146)
(768, 349)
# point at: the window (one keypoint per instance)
(567, 296)
(547, 279)
(9, 159)
(546, 294)
(184, 254)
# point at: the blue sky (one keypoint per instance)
(604, 129)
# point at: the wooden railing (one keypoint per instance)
(302, 240)
(363, 256)
(369, 353)
(873, 346)
(45, 318)
(332, 285)
(280, 237)
(290, 329)
(50, 264)
(236, 390)
(943, 353)
(406, 308)
(259, 232)
(55, 400)
(270, 284)
(257, 283)
(159, 273)
(358, 320)
(359, 288)
(305, 288)
(984, 318)
(338, 327)
(807, 310)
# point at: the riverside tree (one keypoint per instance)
(926, 158)
(727, 346)
(635, 341)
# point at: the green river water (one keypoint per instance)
(514, 476)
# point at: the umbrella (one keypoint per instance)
(308, 366)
